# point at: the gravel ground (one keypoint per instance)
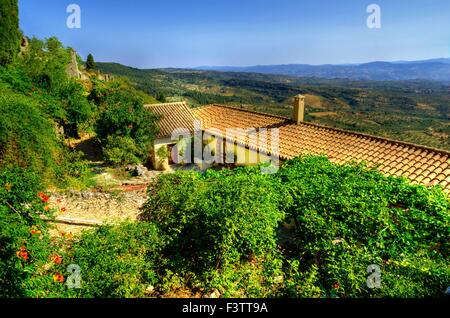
(121, 202)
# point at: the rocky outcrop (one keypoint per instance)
(105, 77)
(72, 67)
(24, 44)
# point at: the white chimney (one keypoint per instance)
(299, 109)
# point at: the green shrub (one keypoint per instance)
(41, 72)
(220, 230)
(80, 112)
(27, 138)
(90, 64)
(123, 115)
(20, 247)
(214, 222)
(116, 261)
(299, 284)
(349, 217)
(121, 150)
(10, 34)
(74, 171)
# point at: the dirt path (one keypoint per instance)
(116, 198)
(98, 206)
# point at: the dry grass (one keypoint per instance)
(323, 114)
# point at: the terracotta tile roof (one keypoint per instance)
(173, 117)
(420, 164)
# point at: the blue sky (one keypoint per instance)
(188, 33)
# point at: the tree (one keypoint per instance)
(90, 63)
(160, 96)
(124, 117)
(10, 34)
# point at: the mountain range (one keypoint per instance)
(433, 69)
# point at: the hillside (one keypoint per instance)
(434, 69)
(74, 142)
(413, 111)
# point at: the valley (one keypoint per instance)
(415, 111)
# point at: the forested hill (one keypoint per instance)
(413, 111)
(435, 69)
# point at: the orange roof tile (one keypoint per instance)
(174, 116)
(419, 164)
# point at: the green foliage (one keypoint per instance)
(74, 171)
(348, 218)
(27, 138)
(20, 211)
(413, 111)
(124, 118)
(79, 110)
(300, 284)
(221, 230)
(120, 150)
(160, 97)
(116, 261)
(10, 35)
(213, 222)
(90, 64)
(41, 73)
(163, 153)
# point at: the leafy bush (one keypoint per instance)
(120, 150)
(116, 261)
(215, 221)
(124, 116)
(74, 171)
(27, 138)
(79, 110)
(221, 230)
(22, 231)
(348, 217)
(9, 31)
(41, 72)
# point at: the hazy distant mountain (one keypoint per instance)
(434, 69)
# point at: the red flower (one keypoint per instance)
(22, 253)
(336, 285)
(43, 197)
(35, 232)
(63, 209)
(58, 278)
(57, 259)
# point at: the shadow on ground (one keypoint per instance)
(91, 148)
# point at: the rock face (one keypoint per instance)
(72, 68)
(214, 294)
(24, 44)
(105, 77)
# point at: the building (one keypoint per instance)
(422, 165)
(174, 117)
